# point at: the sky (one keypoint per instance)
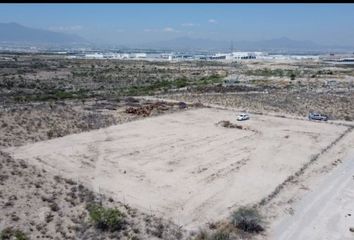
(328, 24)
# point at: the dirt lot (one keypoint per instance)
(183, 166)
(43, 205)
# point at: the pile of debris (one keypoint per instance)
(146, 110)
(141, 110)
(228, 124)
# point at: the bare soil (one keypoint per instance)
(183, 166)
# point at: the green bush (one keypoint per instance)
(248, 220)
(106, 218)
(180, 83)
(10, 233)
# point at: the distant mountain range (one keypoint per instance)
(13, 33)
(16, 34)
(276, 45)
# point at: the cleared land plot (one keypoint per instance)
(182, 165)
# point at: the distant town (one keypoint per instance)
(175, 56)
(224, 57)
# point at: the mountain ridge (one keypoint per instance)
(282, 43)
(14, 33)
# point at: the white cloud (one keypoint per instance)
(169, 29)
(120, 30)
(66, 28)
(212, 21)
(166, 29)
(150, 30)
(189, 24)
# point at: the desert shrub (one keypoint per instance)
(292, 76)
(106, 218)
(221, 234)
(50, 134)
(10, 233)
(158, 231)
(347, 118)
(182, 105)
(248, 220)
(202, 235)
(180, 83)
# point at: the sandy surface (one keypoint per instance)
(326, 212)
(43, 206)
(182, 165)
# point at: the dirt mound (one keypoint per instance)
(228, 124)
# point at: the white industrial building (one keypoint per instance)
(140, 55)
(236, 56)
(242, 55)
(94, 56)
(124, 56)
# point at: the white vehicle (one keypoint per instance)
(242, 117)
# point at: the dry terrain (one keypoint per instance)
(336, 106)
(326, 212)
(46, 206)
(183, 165)
(42, 205)
(74, 134)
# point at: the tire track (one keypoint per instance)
(298, 173)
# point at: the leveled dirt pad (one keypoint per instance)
(184, 165)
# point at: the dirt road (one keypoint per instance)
(327, 212)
